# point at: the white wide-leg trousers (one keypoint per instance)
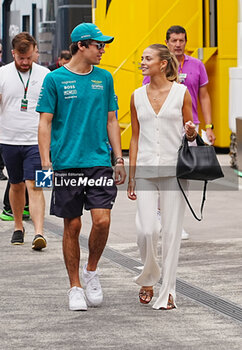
(172, 206)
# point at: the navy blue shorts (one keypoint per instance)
(74, 189)
(21, 162)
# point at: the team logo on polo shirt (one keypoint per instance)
(43, 178)
(97, 85)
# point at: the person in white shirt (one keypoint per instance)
(20, 84)
(7, 213)
(159, 111)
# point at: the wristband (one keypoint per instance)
(209, 126)
(119, 160)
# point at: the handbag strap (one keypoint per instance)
(203, 199)
(198, 139)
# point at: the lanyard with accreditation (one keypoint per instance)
(182, 76)
(24, 101)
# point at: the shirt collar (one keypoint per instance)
(186, 57)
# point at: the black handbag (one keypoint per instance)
(197, 163)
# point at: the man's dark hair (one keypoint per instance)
(23, 41)
(65, 54)
(74, 46)
(175, 30)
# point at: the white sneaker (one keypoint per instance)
(185, 235)
(94, 294)
(77, 299)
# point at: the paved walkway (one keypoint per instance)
(33, 285)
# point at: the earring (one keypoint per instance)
(162, 70)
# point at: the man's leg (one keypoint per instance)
(17, 201)
(1, 161)
(36, 206)
(7, 214)
(13, 161)
(97, 241)
(26, 208)
(6, 201)
(98, 236)
(71, 249)
(2, 176)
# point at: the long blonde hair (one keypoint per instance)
(171, 70)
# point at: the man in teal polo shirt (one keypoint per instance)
(77, 121)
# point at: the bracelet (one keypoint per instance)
(192, 137)
(132, 179)
(119, 160)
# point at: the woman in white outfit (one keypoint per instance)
(159, 112)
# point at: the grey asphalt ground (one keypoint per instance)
(33, 285)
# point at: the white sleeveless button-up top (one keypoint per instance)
(160, 135)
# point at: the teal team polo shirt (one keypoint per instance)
(80, 104)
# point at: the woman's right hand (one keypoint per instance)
(190, 128)
(131, 189)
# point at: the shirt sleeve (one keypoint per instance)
(48, 96)
(112, 98)
(203, 75)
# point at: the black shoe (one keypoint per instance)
(18, 237)
(39, 242)
(2, 176)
